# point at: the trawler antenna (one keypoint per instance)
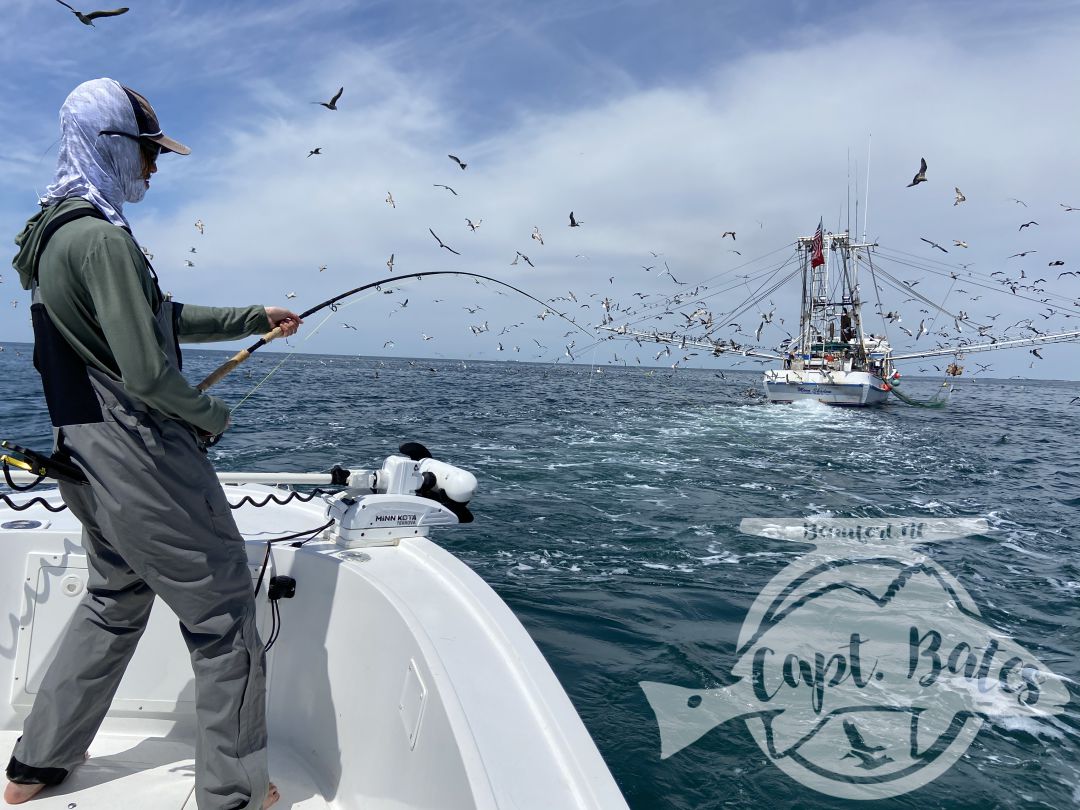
(857, 194)
(866, 207)
(849, 193)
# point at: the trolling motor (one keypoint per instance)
(404, 498)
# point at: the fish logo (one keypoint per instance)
(864, 669)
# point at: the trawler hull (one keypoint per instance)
(852, 388)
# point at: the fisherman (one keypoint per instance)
(847, 330)
(155, 520)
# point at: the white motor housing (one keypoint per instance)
(382, 520)
(403, 498)
(457, 484)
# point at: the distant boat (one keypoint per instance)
(833, 360)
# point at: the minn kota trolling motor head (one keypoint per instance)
(406, 496)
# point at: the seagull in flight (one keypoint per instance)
(472, 225)
(934, 244)
(457, 160)
(959, 196)
(290, 295)
(440, 241)
(1026, 224)
(332, 103)
(573, 222)
(1018, 202)
(728, 233)
(200, 226)
(1022, 255)
(668, 272)
(316, 151)
(390, 200)
(440, 185)
(920, 176)
(89, 17)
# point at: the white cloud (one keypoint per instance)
(765, 138)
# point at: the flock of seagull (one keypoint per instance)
(690, 305)
(670, 304)
(1014, 282)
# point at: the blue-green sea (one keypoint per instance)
(608, 519)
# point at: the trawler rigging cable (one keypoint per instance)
(902, 287)
(984, 283)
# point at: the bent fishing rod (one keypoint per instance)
(242, 355)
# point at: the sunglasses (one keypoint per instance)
(150, 149)
(146, 127)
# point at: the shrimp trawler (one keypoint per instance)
(832, 360)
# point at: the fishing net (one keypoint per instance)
(939, 400)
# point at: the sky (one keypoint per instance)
(660, 125)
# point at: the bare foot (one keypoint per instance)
(16, 793)
(272, 796)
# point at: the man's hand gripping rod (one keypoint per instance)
(217, 374)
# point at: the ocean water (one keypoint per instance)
(608, 519)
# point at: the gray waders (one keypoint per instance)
(155, 523)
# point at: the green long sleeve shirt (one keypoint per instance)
(97, 287)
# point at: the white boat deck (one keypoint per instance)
(139, 773)
(400, 680)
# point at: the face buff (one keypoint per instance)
(107, 170)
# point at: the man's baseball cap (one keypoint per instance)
(149, 128)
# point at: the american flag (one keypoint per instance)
(817, 255)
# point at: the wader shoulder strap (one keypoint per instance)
(55, 224)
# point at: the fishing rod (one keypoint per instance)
(242, 355)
